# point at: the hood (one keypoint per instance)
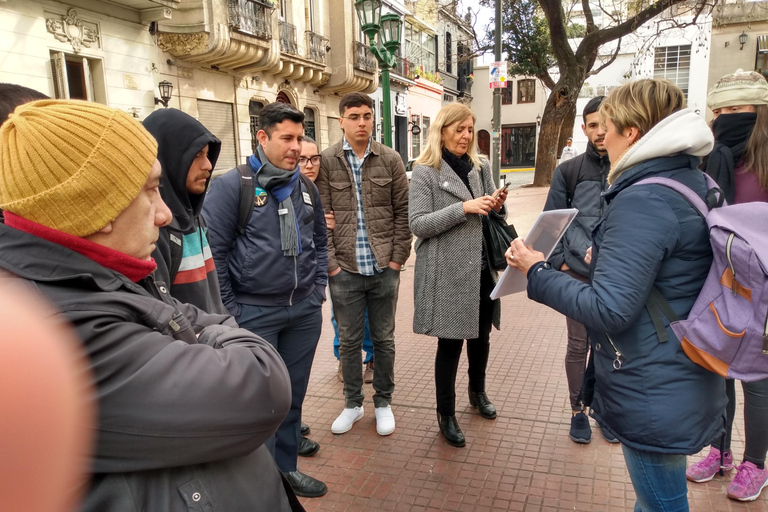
(179, 138)
(683, 132)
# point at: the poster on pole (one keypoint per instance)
(498, 75)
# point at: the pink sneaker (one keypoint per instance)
(708, 467)
(748, 482)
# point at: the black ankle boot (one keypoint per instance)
(482, 404)
(449, 427)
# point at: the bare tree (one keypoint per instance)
(574, 61)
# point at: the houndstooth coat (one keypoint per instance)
(449, 249)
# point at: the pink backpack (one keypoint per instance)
(726, 331)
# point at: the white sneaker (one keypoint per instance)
(385, 420)
(346, 419)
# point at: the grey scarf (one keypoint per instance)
(271, 177)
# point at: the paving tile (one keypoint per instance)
(521, 461)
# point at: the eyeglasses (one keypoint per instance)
(356, 117)
(314, 159)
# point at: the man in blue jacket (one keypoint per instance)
(273, 276)
(580, 182)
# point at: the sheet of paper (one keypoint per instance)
(548, 229)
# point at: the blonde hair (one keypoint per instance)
(642, 104)
(450, 114)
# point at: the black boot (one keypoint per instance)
(305, 485)
(482, 404)
(308, 447)
(449, 427)
(304, 429)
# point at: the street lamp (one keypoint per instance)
(742, 39)
(387, 28)
(166, 90)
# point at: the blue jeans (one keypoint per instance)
(367, 343)
(658, 479)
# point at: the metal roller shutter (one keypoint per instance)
(219, 118)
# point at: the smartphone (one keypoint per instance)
(504, 188)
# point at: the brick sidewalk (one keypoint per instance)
(522, 460)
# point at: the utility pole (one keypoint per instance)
(496, 159)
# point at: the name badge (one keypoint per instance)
(282, 211)
(307, 198)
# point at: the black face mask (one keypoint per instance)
(733, 129)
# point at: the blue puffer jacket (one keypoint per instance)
(255, 271)
(656, 399)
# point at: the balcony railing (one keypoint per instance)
(288, 38)
(464, 84)
(316, 47)
(403, 66)
(252, 17)
(364, 59)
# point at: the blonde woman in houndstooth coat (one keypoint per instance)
(451, 190)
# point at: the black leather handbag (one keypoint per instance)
(498, 235)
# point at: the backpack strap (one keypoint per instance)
(308, 185)
(247, 200)
(689, 195)
(657, 305)
(571, 182)
(177, 250)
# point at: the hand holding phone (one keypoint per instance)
(500, 190)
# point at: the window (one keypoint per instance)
(415, 138)
(674, 64)
(254, 109)
(425, 121)
(309, 123)
(506, 94)
(448, 53)
(420, 48)
(526, 91)
(77, 78)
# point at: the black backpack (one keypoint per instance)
(248, 198)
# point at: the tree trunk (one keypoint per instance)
(559, 111)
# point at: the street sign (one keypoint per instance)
(498, 75)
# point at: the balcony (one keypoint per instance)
(403, 66)
(364, 59)
(464, 85)
(317, 47)
(252, 17)
(288, 38)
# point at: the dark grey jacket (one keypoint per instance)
(186, 400)
(578, 183)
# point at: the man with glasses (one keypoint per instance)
(364, 184)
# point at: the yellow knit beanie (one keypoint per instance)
(72, 165)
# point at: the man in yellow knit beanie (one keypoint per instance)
(186, 400)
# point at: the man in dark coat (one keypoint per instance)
(580, 183)
(187, 152)
(185, 399)
(273, 276)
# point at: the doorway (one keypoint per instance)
(484, 143)
(401, 137)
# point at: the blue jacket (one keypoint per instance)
(255, 271)
(658, 400)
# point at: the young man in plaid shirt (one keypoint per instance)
(364, 184)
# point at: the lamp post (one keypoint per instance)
(387, 28)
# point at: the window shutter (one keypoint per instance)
(59, 69)
(88, 80)
(219, 119)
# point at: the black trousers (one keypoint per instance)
(449, 353)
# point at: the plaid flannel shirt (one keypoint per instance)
(366, 261)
